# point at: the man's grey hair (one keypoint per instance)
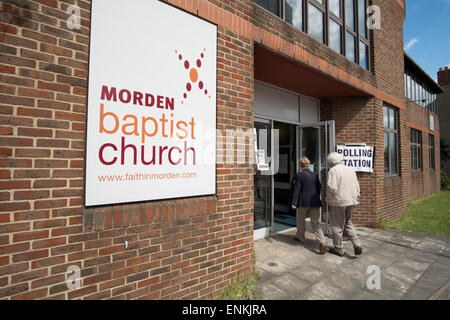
(334, 158)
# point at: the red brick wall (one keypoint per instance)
(388, 67)
(393, 201)
(190, 248)
(425, 181)
(387, 49)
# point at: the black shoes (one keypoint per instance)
(358, 251)
(334, 251)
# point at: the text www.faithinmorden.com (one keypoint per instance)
(146, 176)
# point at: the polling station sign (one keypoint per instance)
(151, 126)
(358, 157)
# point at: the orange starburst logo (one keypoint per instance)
(194, 80)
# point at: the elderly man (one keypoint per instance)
(342, 197)
(306, 198)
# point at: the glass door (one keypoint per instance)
(263, 180)
(285, 218)
(316, 141)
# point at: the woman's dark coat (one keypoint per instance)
(306, 190)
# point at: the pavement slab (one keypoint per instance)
(417, 293)
(412, 266)
(293, 288)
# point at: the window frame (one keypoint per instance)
(304, 14)
(432, 152)
(417, 91)
(416, 142)
(395, 132)
(322, 8)
(408, 83)
(280, 7)
(341, 21)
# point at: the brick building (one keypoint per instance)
(422, 92)
(443, 103)
(311, 69)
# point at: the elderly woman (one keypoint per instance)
(306, 198)
(342, 197)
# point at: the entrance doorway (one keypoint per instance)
(284, 144)
(284, 216)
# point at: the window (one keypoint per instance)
(349, 46)
(419, 93)
(270, 5)
(419, 97)
(335, 36)
(315, 23)
(416, 91)
(422, 102)
(390, 140)
(434, 104)
(350, 14)
(416, 150)
(294, 13)
(362, 18)
(408, 83)
(335, 7)
(406, 89)
(363, 55)
(432, 152)
(339, 24)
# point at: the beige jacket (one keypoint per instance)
(342, 187)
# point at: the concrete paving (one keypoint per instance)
(413, 266)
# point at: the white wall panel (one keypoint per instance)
(273, 103)
(281, 105)
(309, 110)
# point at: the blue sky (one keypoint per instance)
(427, 34)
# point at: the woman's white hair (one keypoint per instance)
(334, 158)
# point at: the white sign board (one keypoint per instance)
(360, 158)
(151, 104)
(431, 122)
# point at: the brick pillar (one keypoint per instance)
(354, 121)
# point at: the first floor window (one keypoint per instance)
(363, 55)
(335, 7)
(416, 150)
(335, 36)
(432, 152)
(350, 46)
(315, 23)
(339, 24)
(390, 116)
(270, 5)
(294, 13)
